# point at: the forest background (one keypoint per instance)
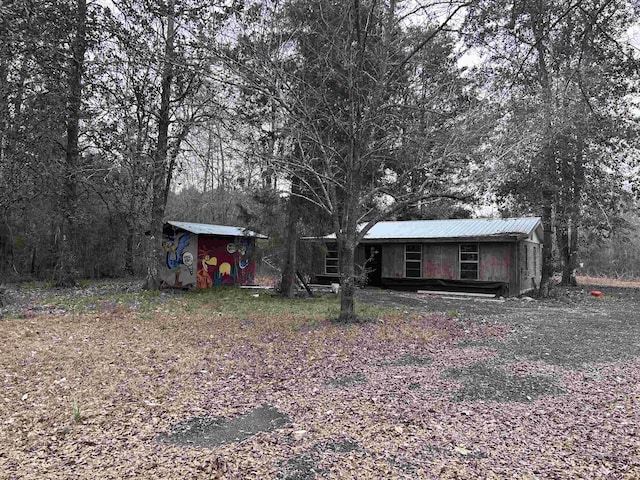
(304, 117)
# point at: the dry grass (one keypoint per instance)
(608, 282)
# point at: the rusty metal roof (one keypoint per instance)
(220, 230)
(452, 229)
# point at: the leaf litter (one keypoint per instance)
(95, 395)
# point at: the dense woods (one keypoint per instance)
(299, 117)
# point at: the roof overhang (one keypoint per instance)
(215, 230)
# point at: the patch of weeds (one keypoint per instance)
(333, 314)
(189, 308)
(75, 410)
(347, 380)
(482, 381)
(37, 285)
(301, 467)
(604, 298)
(413, 386)
(241, 303)
(146, 316)
(452, 314)
(139, 301)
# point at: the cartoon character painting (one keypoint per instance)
(204, 276)
(221, 262)
(177, 258)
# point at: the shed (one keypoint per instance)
(501, 256)
(202, 255)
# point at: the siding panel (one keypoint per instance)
(495, 262)
(440, 261)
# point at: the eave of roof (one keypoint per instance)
(218, 230)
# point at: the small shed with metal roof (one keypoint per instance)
(502, 256)
(204, 255)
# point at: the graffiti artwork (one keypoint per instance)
(177, 258)
(223, 262)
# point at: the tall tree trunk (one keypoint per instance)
(547, 167)
(288, 280)
(65, 270)
(576, 205)
(161, 175)
(547, 248)
(222, 180)
(346, 253)
(347, 241)
(129, 260)
(564, 236)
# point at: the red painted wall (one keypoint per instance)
(225, 261)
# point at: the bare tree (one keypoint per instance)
(375, 111)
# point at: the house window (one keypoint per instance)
(331, 260)
(413, 260)
(469, 261)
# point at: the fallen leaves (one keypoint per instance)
(370, 400)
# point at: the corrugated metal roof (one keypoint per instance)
(444, 229)
(221, 230)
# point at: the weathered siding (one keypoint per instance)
(393, 260)
(440, 261)
(495, 262)
(530, 265)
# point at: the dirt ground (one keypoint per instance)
(573, 328)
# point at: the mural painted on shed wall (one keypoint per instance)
(179, 260)
(224, 262)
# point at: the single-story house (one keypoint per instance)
(201, 255)
(501, 256)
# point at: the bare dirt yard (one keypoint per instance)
(109, 382)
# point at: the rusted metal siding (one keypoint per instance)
(495, 262)
(440, 261)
